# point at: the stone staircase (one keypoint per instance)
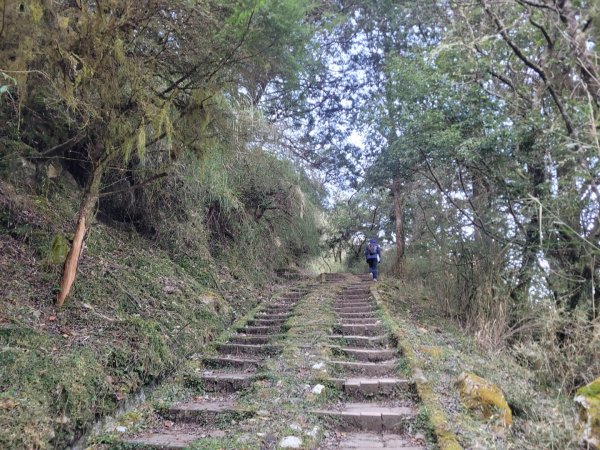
(378, 406)
(232, 370)
(369, 406)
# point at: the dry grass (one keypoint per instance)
(543, 415)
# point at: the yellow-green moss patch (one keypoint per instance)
(480, 395)
(588, 401)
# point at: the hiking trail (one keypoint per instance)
(313, 368)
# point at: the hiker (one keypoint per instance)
(373, 255)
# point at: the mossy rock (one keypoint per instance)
(480, 395)
(57, 253)
(588, 402)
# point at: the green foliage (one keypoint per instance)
(542, 417)
(556, 360)
(352, 223)
(278, 225)
(481, 121)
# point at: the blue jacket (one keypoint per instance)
(368, 255)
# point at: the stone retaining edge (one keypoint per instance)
(446, 439)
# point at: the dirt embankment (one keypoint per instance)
(136, 311)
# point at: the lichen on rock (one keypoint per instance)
(588, 402)
(483, 396)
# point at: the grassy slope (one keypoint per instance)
(542, 419)
(134, 314)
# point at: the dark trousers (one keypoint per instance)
(373, 267)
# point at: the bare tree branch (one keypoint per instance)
(532, 65)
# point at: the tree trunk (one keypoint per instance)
(90, 198)
(531, 246)
(481, 205)
(399, 201)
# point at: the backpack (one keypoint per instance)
(372, 248)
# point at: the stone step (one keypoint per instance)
(352, 304)
(248, 349)
(267, 322)
(359, 330)
(365, 354)
(359, 388)
(229, 361)
(253, 338)
(363, 289)
(287, 299)
(289, 304)
(365, 368)
(259, 330)
(166, 439)
(364, 441)
(225, 381)
(264, 315)
(207, 412)
(352, 315)
(356, 291)
(361, 341)
(353, 309)
(360, 321)
(368, 417)
(283, 302)
(332, 277)
(355, 297)
(349, 309)
(277, 309)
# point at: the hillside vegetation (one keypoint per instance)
(163, 163)
(127, 119)
(143, 300)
